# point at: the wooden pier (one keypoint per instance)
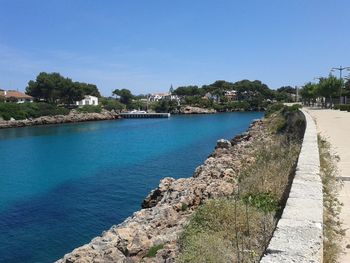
(128, 115)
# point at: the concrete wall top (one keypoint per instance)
(298, 236)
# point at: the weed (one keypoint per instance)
(152, 252)
(333, 231)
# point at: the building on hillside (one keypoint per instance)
(211, 96)
(88, 100)
(162, 96)
(231, 95)
(15, 96)
(158, 96)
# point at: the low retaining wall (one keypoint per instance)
(298, 236)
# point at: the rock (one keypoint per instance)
(195, 110)
(167, 209)
(222, 143)
(73, 116)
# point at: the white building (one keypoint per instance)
(163, 96)
(157, 96)
(88, 100)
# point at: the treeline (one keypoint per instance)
(326, 92)
(249, 95)
(54, 88)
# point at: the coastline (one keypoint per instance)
(166, 210)
(75, 117)
(72, 117)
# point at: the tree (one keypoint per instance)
(188, 91)
(111, 104)
(89, 89)
(166, 106)
(330, 87)
(287, 89)
(54, 88)
(125, 95)
(309, 92)
(346, 91)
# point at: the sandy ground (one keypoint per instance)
(334, 125)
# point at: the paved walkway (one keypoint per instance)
(335, 127)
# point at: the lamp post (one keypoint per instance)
(340, 76)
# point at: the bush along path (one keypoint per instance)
(226, 212)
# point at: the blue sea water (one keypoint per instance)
(62, 185)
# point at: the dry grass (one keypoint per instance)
(333, 231)
(238, 229)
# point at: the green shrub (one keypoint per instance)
(342, 107)
(152, 252)
(333, 228)
(90, 109)
(265, 202)
(111, 104)
(29, 110)
(184, 207)
(273, 108)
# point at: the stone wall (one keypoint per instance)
(298, 236)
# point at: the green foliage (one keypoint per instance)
(189, 91)
(249, 95)
(329, 87)
(237, 229)
(342, 107)
(166, 106)
(273, 108)
(285, 93)
(29, 110)
(215, 229)
(333, 230)
(89, 109)
(198, 101)
(111, 104)
(184, 207)
(309, 92)
(125, 95)
(265, 202)
(232, 106)
(287, 89)
(152, 252)
(137, 104)
(54, 88)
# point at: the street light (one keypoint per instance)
(340, 76)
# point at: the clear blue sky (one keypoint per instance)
(147, 45)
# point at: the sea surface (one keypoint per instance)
(62, 185)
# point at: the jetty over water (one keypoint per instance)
(132, 115)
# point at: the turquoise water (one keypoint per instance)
(62, 185)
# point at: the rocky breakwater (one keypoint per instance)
(73, 116)
(151, 234)
(195, 110)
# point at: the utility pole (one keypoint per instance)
(340, 76)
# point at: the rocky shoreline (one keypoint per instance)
(195, 110)
(167, 209)
(72, 117)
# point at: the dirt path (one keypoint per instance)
(335, 127)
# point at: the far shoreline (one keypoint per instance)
(88, 117)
